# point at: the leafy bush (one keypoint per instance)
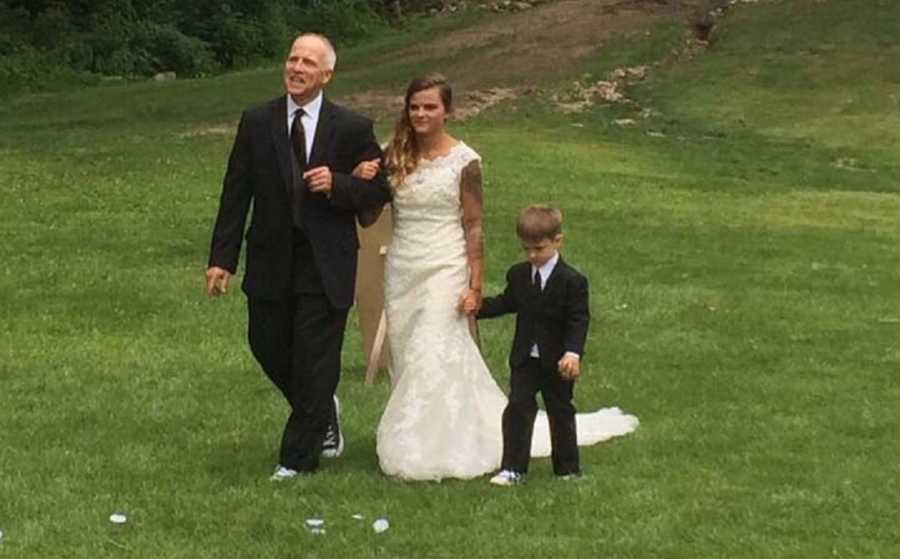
(29, 69)
(14, 25)
(345, 21)
(238, 40)
(167, 48)
(51, 28)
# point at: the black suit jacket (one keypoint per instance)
(557, 318)
(260, 171)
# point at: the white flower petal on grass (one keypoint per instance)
(118, 518)
(380, 525)
(316, 526)
(358, 516)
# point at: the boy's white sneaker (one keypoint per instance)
(508, 477)
(282, 473)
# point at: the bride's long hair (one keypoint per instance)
(402, 154)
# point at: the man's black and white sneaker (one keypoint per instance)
(334, 439)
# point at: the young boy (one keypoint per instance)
(550, 300)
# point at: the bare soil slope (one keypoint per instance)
(515, 51)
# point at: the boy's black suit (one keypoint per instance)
(556, 319)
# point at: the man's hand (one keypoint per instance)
(319, 179)
(217, 281)
(570, 366)
(367, 170)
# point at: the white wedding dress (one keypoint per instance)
(443, 418)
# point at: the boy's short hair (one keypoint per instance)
(538, 222)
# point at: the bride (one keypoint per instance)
(443, 418)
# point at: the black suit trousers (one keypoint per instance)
(298, 341)
(518, 418)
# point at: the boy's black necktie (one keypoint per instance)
(298, 143)
(536, 289)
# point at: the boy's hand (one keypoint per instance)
(470, 302)
(570, 366)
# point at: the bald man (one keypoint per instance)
(291, 162)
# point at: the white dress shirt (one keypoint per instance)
(546, 269)
(309, 121)
(545, 272)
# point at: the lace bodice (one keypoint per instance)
(427, 204)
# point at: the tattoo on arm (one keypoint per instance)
(472, 199)
(471, 183)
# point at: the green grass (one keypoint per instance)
(745, 297)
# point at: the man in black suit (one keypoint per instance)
(550, 300)
(293, 158)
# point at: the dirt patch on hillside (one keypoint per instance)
(524, 47)
(547, 41)
(383, 104)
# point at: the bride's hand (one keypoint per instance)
(367, 170)
(470, 302)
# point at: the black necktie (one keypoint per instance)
(536, 289)
(298, 138)
(298, 143)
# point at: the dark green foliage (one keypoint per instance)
(345, 21)
(133, 38)
(40, 51)
(13, 26)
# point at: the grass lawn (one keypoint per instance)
(743, 244)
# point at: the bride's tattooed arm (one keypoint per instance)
(472, 204)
